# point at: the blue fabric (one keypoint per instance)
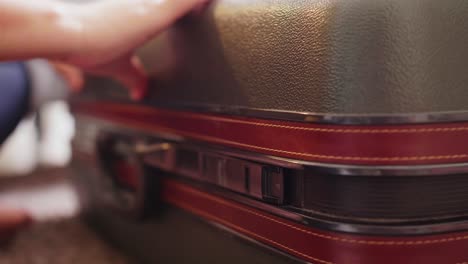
(14, 96)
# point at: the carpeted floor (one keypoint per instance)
(63, 242)
(58, 237)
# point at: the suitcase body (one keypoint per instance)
(323, 131)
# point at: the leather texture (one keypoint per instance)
(322, 56)
(317, 246)
(173, 236)
(308, 243)
(384, 199)
(357, 145)
(164, 239)
(337, 56)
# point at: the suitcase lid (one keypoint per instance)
(326, 57)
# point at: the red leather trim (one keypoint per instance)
(339, 144)
(313, 245)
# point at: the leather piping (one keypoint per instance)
(312, 155)
(245, 231)
(180, 201)
(322, 130)
(328, 237)
(117, 112)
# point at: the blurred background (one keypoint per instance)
(34, 178)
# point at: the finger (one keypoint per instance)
(134, 78)
(171, 10)
(129, 72)
(149, 17)
(73, 75)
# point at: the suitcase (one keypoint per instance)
(288, 131)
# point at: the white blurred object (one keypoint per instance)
(44, 201)
(23, 152)
(18, 155)
(57, 130)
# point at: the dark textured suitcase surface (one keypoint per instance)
(338, 56)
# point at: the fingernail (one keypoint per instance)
(137, 94)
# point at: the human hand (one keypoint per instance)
(111, 31)
(98, 37)
(126, 75)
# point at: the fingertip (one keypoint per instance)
(78, 83)
(138, 92)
